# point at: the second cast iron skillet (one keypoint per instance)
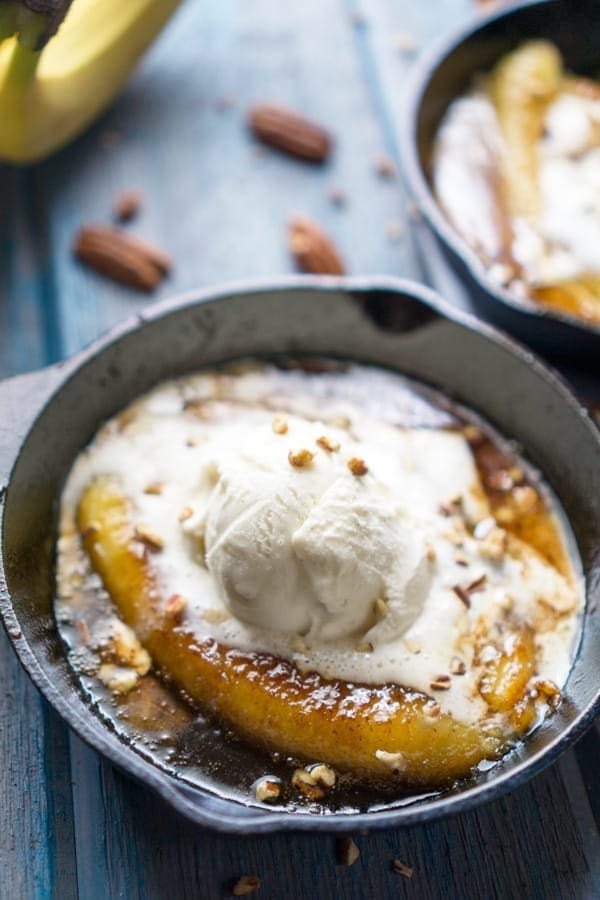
(445, 73)
(49, 416)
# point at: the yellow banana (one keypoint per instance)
(523, 84)
(54, 85)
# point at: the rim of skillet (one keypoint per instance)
(180, 794)
(424, 69)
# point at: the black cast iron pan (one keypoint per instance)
(48, 416)
(444, 73)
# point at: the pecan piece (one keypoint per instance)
(247, 884)
(313, 249)
(346, 851)
(127, 205)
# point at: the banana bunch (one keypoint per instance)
(57, 76)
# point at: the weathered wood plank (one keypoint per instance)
(516, 847)
(36, 837)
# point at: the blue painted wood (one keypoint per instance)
(69, 823)
(36, 823)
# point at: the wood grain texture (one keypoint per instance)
(70, 824)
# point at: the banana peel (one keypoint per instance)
(57, 76)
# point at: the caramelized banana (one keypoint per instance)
(523, 84)
(579, 296)
(507, 676)
(383, 734)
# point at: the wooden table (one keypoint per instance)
(70, 825)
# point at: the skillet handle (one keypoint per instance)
(22, 398)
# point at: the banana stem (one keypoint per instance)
(8, 24)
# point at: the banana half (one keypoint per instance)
(381, 733)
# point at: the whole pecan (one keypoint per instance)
(290, 132)
(121, 256)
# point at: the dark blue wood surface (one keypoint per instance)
(70, 825)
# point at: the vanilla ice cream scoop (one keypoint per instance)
(310, 549)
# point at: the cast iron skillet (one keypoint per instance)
(446, 72)
(48, 416)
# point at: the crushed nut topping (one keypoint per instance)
(456, 532)
(404, 42)
(516, 473)
(451, 506)
(186, 513)
(267, 790)
(472, 433)
(280, 425)
(384, 166)
(381, 608)
(300, 458)
(117, 679)
(323, 775)
(461, 558)
(493, 545)
(395, 761)
(430, 554)
(478, 584)
(457, 666)
(364, 647)
(346, 851)
(440, 683)
(341, 422)
(357, 466)
(549, 691)
(432, 709)
(464, 591)
(194, 441)
(402, 869)
(299, 645)
(149, 538)
(328, 444)
(483, 528)
(411, 646)
(499, 480)
(304, 781)
(525, 498)
(83, 632)
(247, 884)
(215, 616)
(505, 515)
(124, 646)
(154, 488)
(174, 606)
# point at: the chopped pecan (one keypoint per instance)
(313, 249)
(127, 205)
(346, 850)
(357, 466)
(300, 458)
